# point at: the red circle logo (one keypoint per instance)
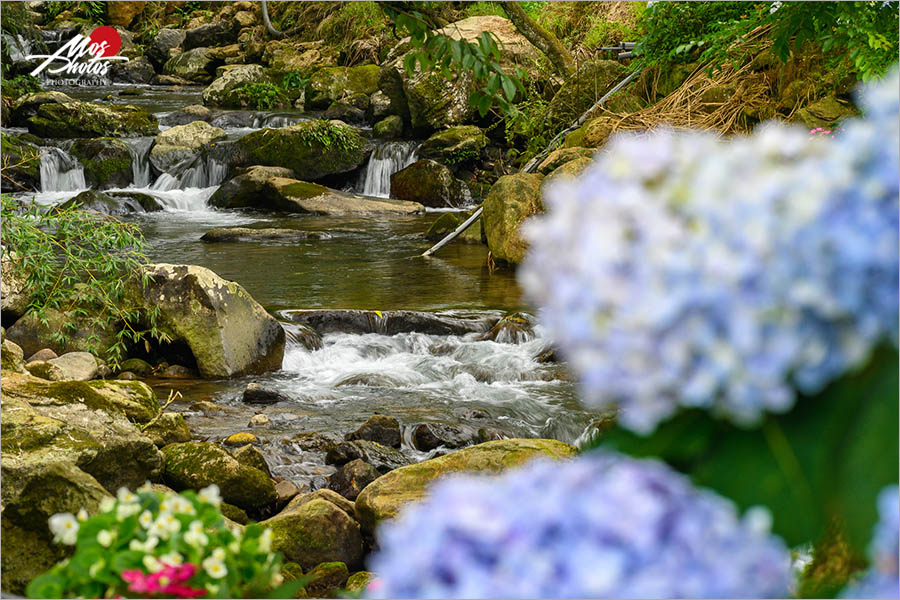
(105, 41)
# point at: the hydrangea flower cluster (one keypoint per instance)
(598, 526)
(882, 579)
(155, 544)
(685, 271)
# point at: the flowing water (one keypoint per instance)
(366, 262)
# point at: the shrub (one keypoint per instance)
(263, 95)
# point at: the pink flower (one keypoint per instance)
(166, 581)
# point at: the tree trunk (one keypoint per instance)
(542, 39)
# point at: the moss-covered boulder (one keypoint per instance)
(137, 366)
(449, 221)
(252, 456)
(114, 203)
(568, 170)
(290, 56)
(389, 128)
(352, 478)
(21, 165)
(357, 582)
(592, 80)
(227, 89)
(460, 144)
(183, 142)
(327, 580)
(314, 532)
(511, 200)
(194, 465)
(106, 162)
(227, 331)
(195, 65)
(13, 292)
(32, 334)
(226, 235)
(825, 112)
(91, 120)
(330, 84)
(383, 498)
(559, 157)
(11, 357)
(168, 428)
(248, 189)
(291, 195)
(77, 366)
(165, 43)
(26, 106)
(312, 149)
(597, 131)
(429, 183)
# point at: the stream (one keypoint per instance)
(368, 263)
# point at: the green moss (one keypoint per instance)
(304, 189)
(25, 155)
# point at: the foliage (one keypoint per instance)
(881, 581)
(168, 545)
(16, 19)
(262, 94)
(330, 136)
(293, 81)
(94, 10)
(528, 126)
(20, 85)
(597, 526)
(432, 50)
(82, 264)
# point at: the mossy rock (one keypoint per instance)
(227, 90)
(183, 142)
(358, 581)
(168, 428)
(460, 144)
(592, 80)
(240, 439)
(90, 120)
(429, 183)
(106, 162)
(315, 532)
(597, 131)
(249, 189)
(113, 203)
(291, 195)
(227, 331)
(236, 514)
(195, 465)
(448, 222)
(511, 200)
(330, 84)
(195, 65)
(252, 457)
(322, 494)
(32, 335)
(825, 112)
(24, 172)
(561, 156)
(11, 357)
(436, 102)
(312, 149)
(391, 127)
(26, 106)
(327, 580)
(383, 498)
(26, 554)
(575, 139)
(137, 366)
(569, 170)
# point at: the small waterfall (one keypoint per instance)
(274, 121)
(200, 172)
(387, 159)
(60, 171)
(140, 160)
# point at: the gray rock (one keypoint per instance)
(352, 478)
(429, 183)
(378, 428)
(269, 234)
(194, 66)
(135, 70)
(428, 436)
(383, 458)
(220, 33)
(164, 41)
(257, 394)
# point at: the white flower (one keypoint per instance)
(107, 504)
(172, 558)
(218, 554)
(82, 516)
(234, 547)
(265, 541)
(146, 519)
(277, 579)
(152, 564)
(105, 538)
(195, 536)
(147, 487)
(64, 527)
(210, 495)
(147, 546)
(126, 496)
(123, 511)
(165, 525)
(214, 567)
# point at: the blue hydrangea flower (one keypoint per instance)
(598, 526)
(682, 270)
(882, 580)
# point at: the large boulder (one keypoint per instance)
(89, 120)
(194, 65)
(378, 428)
(195, 465)
(120, 203)
(76, 366)
(123, 13)
(226, 89)
(164, 43)
(559, 157)
(591, 81)
(429, 183)
(330, 84)
(248, 189)
(455, 145)
(220, 33)
(11, 357)
(311, 149)
(227, 331)
(33, 333)
(384, 458)
(183, 142)
(290, 195)
(26, 106)
(288, 56)
(135, 70)
(316, 531)
(511, 200)
(106, 162)
(21, 165)
(383, 498)
(825, 112)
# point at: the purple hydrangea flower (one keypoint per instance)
(598, 526)
(682, 270)
(882, 580)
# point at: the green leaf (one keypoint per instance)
(493, 84)
(824, 460)
(409, 63)
(509, 88)
(484, 105)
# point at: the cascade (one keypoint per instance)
(60, 171)
(139, 148)
(387, 159)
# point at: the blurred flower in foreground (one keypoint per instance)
(682, 270)
(881, 580)
(597, 526)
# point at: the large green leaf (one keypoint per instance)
(825, 460)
